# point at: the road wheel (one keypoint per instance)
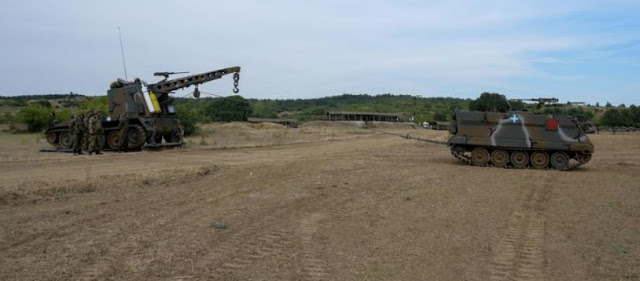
(519, 159)
(113, 139)
(540, 160)
(458, 149)
(158, 137)
(176, 136)
(583, 158)
(559, 160)
(136, 136)
(52, 138)
(500, 157)
(65, 140)
(480, 156)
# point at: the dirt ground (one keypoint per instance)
(260, 202)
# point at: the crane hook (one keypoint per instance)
(236, 78)
(196, 93)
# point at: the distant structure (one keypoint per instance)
(285, 122)
(440, 125)
(364, 116)
(577, 103)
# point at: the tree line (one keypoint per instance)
(37, 113)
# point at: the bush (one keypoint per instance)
(493, 102)
(36, 117)
(7, 117)
(265, 109)
(233, 108)
(189, 117)
(99, 103)
(42, 103)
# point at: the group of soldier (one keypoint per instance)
(86, 132)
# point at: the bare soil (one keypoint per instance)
(249, 202)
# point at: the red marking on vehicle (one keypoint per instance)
(552, 124)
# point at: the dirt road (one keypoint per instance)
(375, 207)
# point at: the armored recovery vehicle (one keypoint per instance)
(150, 110)
(518, 139)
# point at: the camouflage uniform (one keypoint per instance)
(85, 132)
(78, 129)
(72, 132)
(124, 128)
(95, 133)
(81, 133)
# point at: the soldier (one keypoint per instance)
(72, 132)
(80, 131)
(85, 132)
(124, 128)
(95, 132)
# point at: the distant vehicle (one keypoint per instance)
(586, 125)
(152, 114)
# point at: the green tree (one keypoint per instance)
(490, 102)
(188, 112)
(580, 112)
(7, 117)
(440, 116)
(635, 115)
(614, 117)
(36, 117)
(518, 104)
(99, 103)
(233, 108)
(265, 109)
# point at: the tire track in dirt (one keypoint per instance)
(275, 236)
(190, 209)
(266, 238)
(519, 252)
(270, 244)
(327, 214)
(313, 267)
(95, 267)
(187, 207)
(270, 238)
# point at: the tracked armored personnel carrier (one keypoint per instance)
(519, 139)
(149, 109)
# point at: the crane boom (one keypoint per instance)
(167, 86)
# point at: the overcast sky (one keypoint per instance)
(573, 50)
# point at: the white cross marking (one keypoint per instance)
(514, 118)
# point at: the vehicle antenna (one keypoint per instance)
(124, 65)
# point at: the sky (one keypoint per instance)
(573, 50)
